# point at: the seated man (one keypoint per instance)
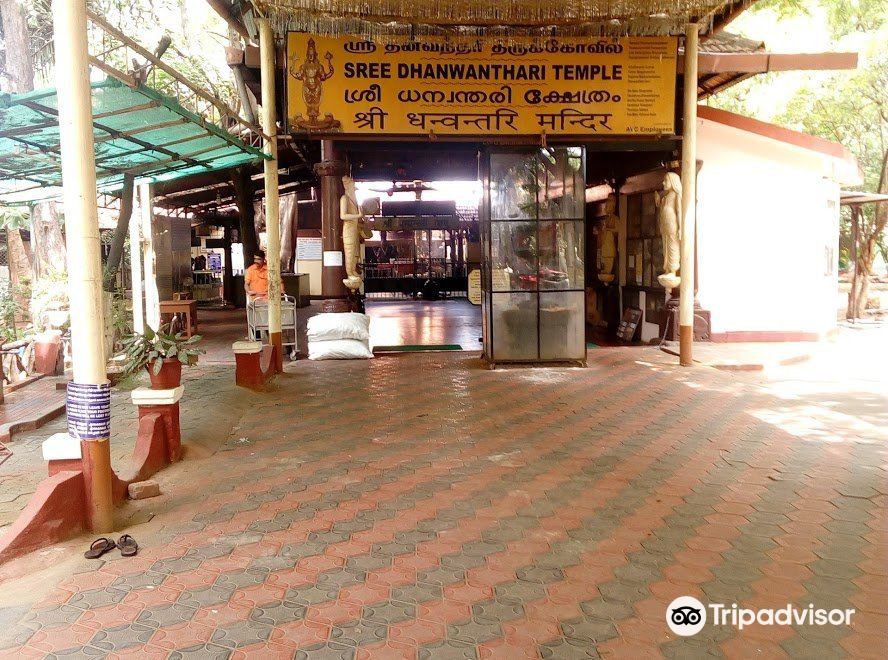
(256, 278)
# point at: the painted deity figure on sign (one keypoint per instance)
(353, 231)
(669, 218)
(312, 75)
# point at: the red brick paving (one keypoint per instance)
(422, 507)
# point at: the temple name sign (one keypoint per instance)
(564, 86)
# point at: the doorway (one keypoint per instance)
(425, 243)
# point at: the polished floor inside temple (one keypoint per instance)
(452, 322)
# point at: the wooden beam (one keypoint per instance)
(764, 62)
(224, 10)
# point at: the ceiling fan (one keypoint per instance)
(416, 186)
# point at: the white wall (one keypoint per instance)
(767, 233)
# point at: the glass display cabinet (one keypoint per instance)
(532, 229)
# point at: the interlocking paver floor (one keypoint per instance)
(423, 506)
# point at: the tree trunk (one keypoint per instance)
(867, 240)
(46, 235)
(243, 190)
(19, 267)
(115, 254)
(19, 64)
(859, 293)
(883, 250)
(19, 78)
(46, 240)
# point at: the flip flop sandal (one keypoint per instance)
(99, 547)
(128, 546)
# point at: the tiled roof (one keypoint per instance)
(726, 42)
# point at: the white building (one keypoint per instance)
(767, 229)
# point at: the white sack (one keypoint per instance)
(348, 325)
(339, 349)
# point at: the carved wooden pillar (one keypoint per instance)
(330, 171)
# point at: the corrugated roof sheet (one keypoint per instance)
(137, 131)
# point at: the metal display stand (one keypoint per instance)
(533, 241)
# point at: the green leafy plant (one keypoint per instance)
(121, 317)
(49, 300)
(9, 307)
(154, 347)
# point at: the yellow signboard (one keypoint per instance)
(575, 86)
(474, 286)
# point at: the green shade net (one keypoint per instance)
(137, 131)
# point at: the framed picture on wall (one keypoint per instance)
(649, 214)
(633, 216)
(646, 263)
(644, 246)
(653, 306)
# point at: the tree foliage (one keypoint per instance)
(847, 107)
(190, 53)
(196, 52)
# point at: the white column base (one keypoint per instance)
(61, 447)
(246, 346)
(145, 396)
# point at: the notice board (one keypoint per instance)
(474, 286)
(309, 248)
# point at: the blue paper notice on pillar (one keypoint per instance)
(89, 411)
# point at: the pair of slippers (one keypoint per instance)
(126, 543)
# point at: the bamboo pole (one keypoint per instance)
(272, 201)
(136, 272)
(149, 258)
(82, 234)
(688, 198)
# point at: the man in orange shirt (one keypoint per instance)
(256, 278)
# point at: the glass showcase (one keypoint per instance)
(533, 224)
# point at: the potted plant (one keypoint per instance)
(162, 354)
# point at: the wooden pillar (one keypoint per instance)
(227, 273)
(243, 192)
(84, 260)
(272, 201)
(330, 172)
(688, 198)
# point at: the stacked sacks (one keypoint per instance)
(339, 336)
